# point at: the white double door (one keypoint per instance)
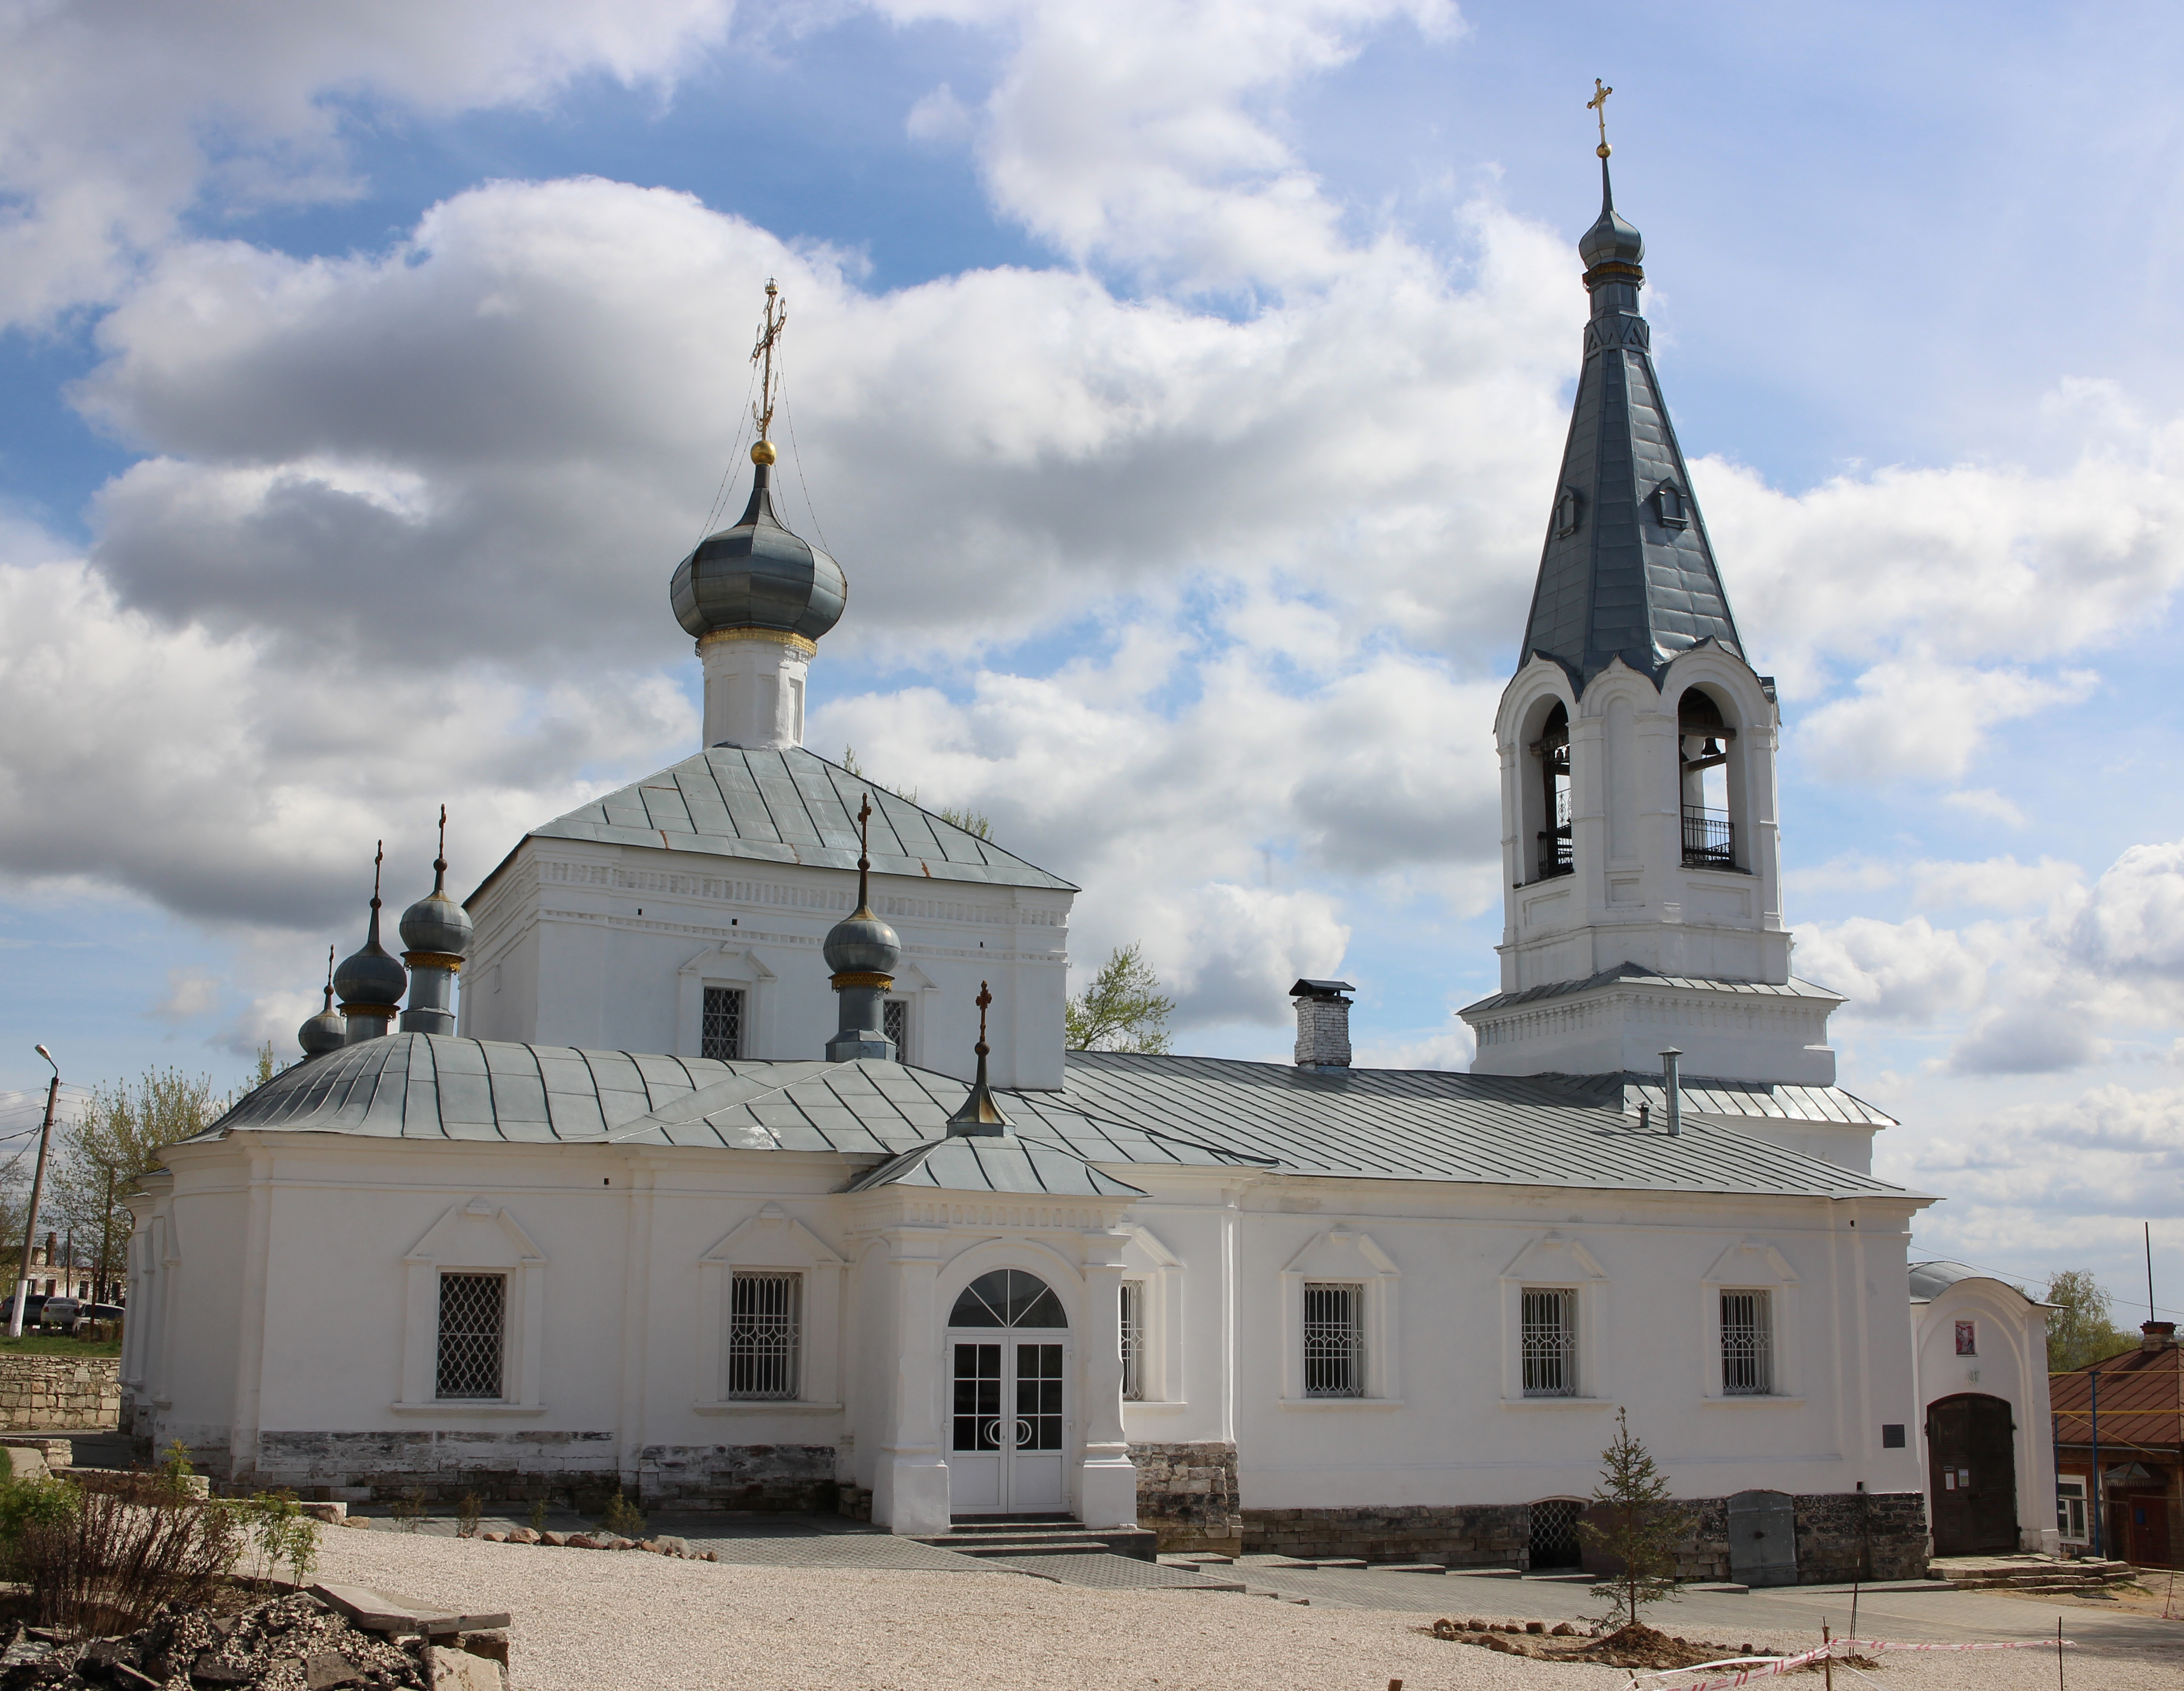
(1008, 1424)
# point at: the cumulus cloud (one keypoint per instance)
(238, 104)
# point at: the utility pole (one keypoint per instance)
(105, 1241)
(37, 1192)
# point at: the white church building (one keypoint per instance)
(752, 1171)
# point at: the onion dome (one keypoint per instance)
(1612, 239)
(757, 574)
(370, 979)
(861, 944)
(326, 1031)
(436, 926)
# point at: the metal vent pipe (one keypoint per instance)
(1672, 1084)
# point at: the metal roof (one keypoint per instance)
(2141, 1401)
(787, 806)
(1543, 1131)
(1114, 1110)
(1639, 974)
(1929, 1281)
(1774, 1100)
(994, 1164)
(1620, 576)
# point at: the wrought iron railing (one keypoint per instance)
(1556, 856)
(1709, 840)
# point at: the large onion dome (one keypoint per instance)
(861, 944)
(436, 923)
(370, 979)
(758, 575)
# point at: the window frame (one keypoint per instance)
(2070, 1503)
(1753, 1265)
(1344, 1256)
(791, 1357)
(499, 1278)
(769, 1241)
(1357, 1352)
(742, 996)
(1132, 1336)
(476, 1237)
(1763, 1326)
(1567, 1301)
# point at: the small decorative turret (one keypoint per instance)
(756, 597)
(370, 983)
(863, 952)
(326, 1031)
(436, 931)
(980, 1117)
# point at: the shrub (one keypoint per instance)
(467, 1515)
(622, 1516)
(278, 1531)
(104, 1561)
(539, 1515)
(408, 1508)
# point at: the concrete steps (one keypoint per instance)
(1040, 1535)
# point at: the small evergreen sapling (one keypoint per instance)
(1639, 1528)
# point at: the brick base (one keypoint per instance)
(1187, 1494)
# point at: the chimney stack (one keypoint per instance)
(1322, 1014)
(2157, 1336)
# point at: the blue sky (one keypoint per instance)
(1181, 388)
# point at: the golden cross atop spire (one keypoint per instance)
(985, 997)
(1598, 103)
(769, 386)
(864, 853)
(378, 856)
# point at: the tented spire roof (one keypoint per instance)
(1627, 570)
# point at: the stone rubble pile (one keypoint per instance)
(664, 1545)
(297, 1643)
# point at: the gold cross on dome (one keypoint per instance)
(1598, 103)
(984, 998)
(769, 387)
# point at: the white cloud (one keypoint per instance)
(117, 119)
(1915, 717)
(190, 993)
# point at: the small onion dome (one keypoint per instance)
(862, 944)
(1612, 240)
(324, 1032)
(758, 575)
(370, 976)
(435, 922)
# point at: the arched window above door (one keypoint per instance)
(1008, 1297)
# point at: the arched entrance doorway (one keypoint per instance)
(1008, 1345)
(1971, 1470)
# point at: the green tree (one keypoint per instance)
(1638, 1527)
(119, 1136)
(2083, 1329)
(1123, 1009)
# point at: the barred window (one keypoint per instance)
(721, 1034)
(1333, 1341)
(1549, 1322)
(762, 1336)
(472, 1323)
(1134, 1340)
(1747, 1344)
(895, 1024)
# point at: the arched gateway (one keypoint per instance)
(1009, 1422)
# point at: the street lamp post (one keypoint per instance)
(38, 1192)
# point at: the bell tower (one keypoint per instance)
(1641, 866)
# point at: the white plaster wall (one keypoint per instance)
(607, 946)
(2012, 1365)
(622, 1232)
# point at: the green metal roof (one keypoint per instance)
(787, 807)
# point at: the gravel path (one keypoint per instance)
(598, 1620)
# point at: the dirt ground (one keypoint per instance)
(599, 1620)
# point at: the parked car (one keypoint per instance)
(61, 1312)
(31, 1307)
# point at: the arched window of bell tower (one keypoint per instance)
(1710, 795)
(1546, 813)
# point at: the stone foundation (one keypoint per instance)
(1468, 1536)
(522, 1466)
(1187, 1494)
(59, 1393)
(1841, 1537)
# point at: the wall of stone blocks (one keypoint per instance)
(1472, 1536)
(1840, 1537)
(1187, 1494)
(59, 1393)
(522, 1466)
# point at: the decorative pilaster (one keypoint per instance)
(1107, 1479)
(909, 1484)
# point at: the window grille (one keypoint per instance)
(1747, 1344)
(895, 1024)
(1134, 1340)
(1555, 1543)
(1549, 1342)
(722, 1032)
(762, 1323)
(472, 1309)
(1334, 1342)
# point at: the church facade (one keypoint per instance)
(752, 1172)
